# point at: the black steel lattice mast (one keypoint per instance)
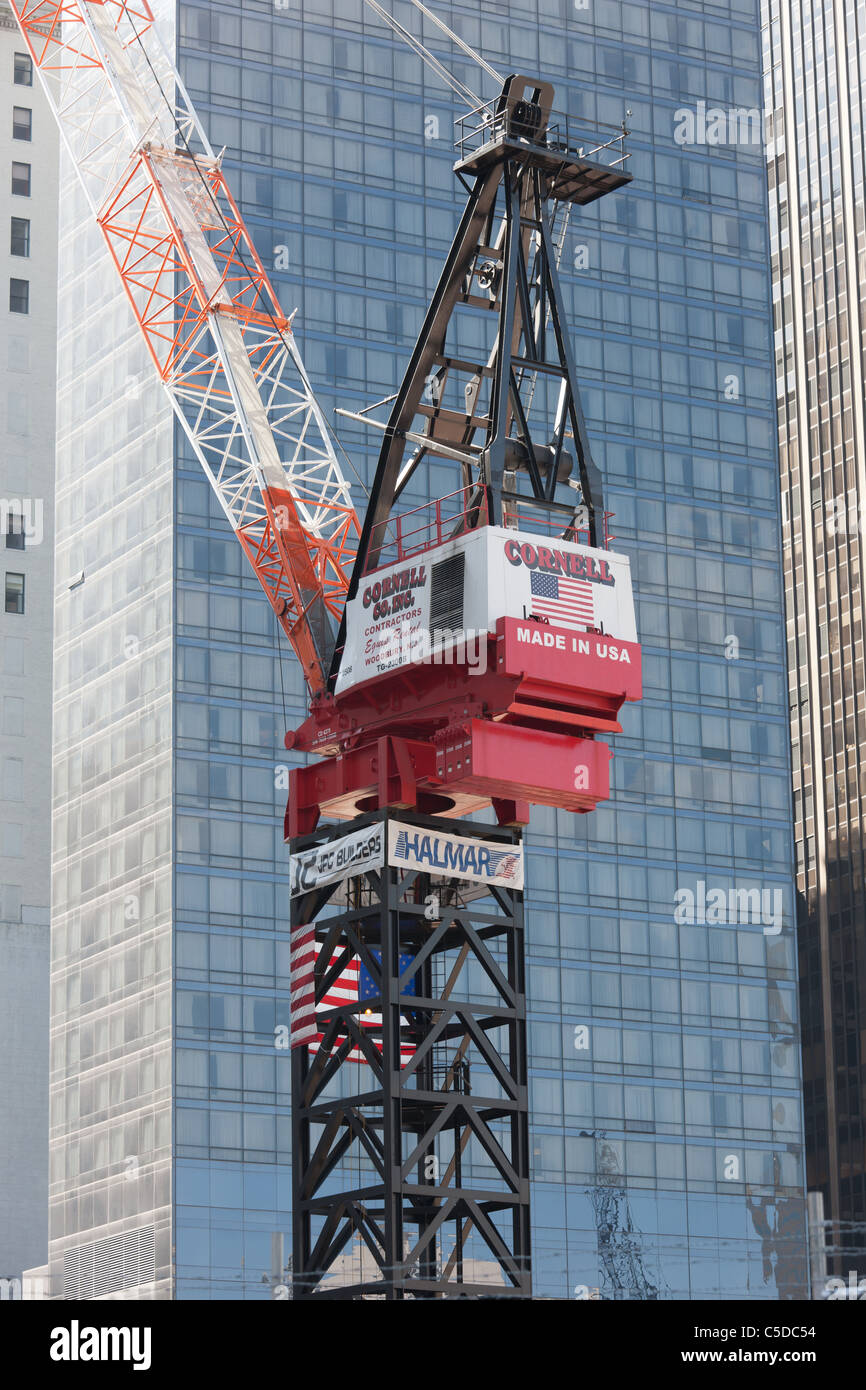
(412, 1180)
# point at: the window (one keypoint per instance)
(23, 70)
(13, 715)
(14, 593)
(20, 241)
(10, 902)
(21, 180)
(12, 840)
(14, 531)
(19, 296)
(18, 412)
(12, 779)
(12, 658)
(22, 123)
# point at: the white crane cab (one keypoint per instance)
(431, 604)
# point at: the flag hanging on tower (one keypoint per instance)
(305, 1026)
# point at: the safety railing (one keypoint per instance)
(568, 135)
(410, 533)
(516, 516)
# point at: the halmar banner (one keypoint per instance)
(455, 856)
(331, 863)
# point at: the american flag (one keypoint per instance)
(568, 601)
(304, 1026)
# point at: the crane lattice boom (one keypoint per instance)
(214, 328)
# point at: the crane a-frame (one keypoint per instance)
(409, 726)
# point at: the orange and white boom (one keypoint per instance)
(220, 341)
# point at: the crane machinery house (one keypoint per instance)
(571, 601)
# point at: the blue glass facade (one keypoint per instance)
(667, 1131)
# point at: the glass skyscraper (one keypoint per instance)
(665, 1079)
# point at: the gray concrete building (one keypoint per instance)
(28, 335)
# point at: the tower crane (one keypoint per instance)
(460, 653)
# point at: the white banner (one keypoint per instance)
(331, 863)
(453, 856)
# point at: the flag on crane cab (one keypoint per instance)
(351, 986)
(562, 600)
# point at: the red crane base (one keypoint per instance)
(464, 769)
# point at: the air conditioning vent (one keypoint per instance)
(107, 1266)
(446, 592)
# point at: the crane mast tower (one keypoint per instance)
(411, 1139)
